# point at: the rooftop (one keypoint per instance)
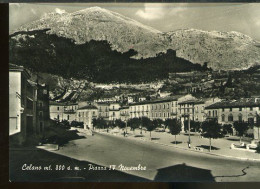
(54, 103)
(246, 102)
(16, 68)
(88, 107)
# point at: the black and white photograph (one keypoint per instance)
(134, 92)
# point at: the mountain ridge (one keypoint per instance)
(222, 50)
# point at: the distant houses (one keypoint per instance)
(182, 107)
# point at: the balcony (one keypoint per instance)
(69, 111)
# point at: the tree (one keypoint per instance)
(134, 123)
(120, 123)
(227, 129)
(148, 124)
(99, 123)
(194, 125)
(258, 124)
(174, 126)
(211, 129)
(241, 128)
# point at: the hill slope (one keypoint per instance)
(222, 50)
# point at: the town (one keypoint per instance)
(32, 114)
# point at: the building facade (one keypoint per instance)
(63, 111)
(22, 104)
(103, 110)
(124, 113)
(86, 114)
(114, 111)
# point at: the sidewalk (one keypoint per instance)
(220, 147)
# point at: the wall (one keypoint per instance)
(14, 102)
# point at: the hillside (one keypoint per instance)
(222, 50)
(94, 61)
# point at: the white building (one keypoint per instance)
(86, 114)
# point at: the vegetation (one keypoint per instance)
(211, 129)
(134, 123)
(194, 125)
(227, 129)
(241, 128)
(174, 126)
(99, 123)
(94, 60)
(148, 124)
(120, 123)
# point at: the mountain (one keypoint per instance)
(100, 24)
(222, 50)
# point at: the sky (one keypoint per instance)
(241, 17)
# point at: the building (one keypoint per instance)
(63, 111)
(22, 105)
(139, 109)
(237, 110)
(227, 112)
(124, 113)
(114, 111)
(194, 108)
(103, 110)
(86, 114)
(163, 108)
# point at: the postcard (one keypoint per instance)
(134, 92)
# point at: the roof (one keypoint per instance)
(159, 100)
(103, 103)
(54, 103)
(16, 68)
(195, 101)
(252, 102)
(88, 107)
(124, 107)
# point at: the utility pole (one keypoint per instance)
(189, 130)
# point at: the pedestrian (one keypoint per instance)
(124, 133)
(189, 145)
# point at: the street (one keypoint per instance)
(162, 163)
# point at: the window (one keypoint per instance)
(240, 109)
(209, 113)
(68, 117)
(251, 121)
(41, 126)
(58, 117)
(240, 118)
(113, 107)
(40, 114)
(164, 106)
(58, 108)
(230, 117)
(168, 114)
(223, 117)
(93, 113)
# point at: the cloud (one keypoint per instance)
(59, 11)
(151, 12)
